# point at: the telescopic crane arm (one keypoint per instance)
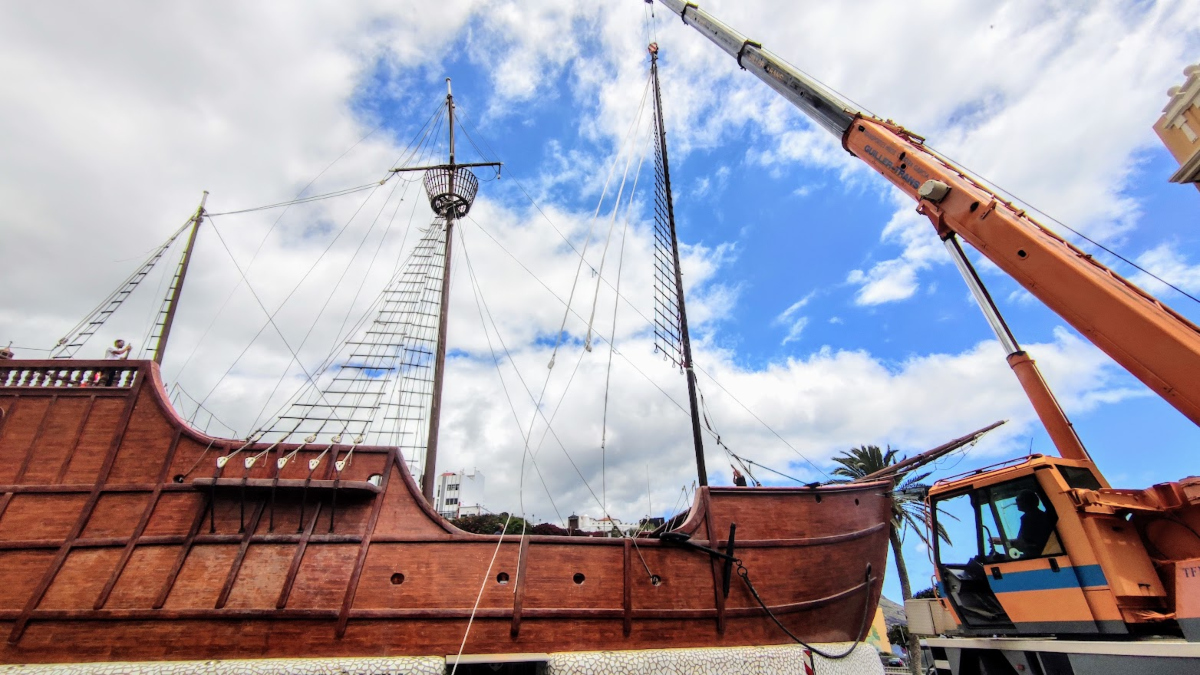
(1153, 342)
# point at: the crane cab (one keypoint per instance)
(1025, 558)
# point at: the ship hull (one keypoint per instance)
(120, 539)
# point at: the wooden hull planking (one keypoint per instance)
(120, 540)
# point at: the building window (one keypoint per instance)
(450, 501)
(452, 487)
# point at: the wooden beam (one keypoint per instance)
(37, 436)
(294, 569)
(628, 599)
(718, 572)
(519, 589)
(352, 587)
(241, 555)
(66, 463)
(197, 522)
(140, 528)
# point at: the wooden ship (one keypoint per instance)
(128, 535)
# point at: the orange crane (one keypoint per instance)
(1057, 552)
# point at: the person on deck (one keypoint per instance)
(1036, 525)
(119, 350)
(738, 479)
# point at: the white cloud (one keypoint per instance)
(794, 323)
(112, 122)
(1167, 263)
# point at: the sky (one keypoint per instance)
(824, 311)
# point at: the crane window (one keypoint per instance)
(1018, 521)
(1011, 521)
(1079, 478)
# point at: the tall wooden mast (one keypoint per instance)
(684, 340)
(439, 364)
(451, 188)
(173, 302)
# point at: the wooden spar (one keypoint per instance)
(161, 347)
(684, 339)
(439, 364)
(927, 456)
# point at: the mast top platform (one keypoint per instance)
(451, 190)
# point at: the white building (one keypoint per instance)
(459, 493)
(608, 526)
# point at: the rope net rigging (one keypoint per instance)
(376, 389)
(668, 332)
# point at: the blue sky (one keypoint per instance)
(882, 344)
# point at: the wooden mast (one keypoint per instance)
(439, 364)
(173, 304)
(451, 188)
(684, 339)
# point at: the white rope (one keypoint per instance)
(583, 254)
(613, 337)
(481, 307)
(482, 586)
(587, 343)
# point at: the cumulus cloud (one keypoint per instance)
(112, 123)
(1167, 263)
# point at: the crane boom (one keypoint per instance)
(1153, 342)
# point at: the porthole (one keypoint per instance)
(818, 498)
(856, 501)
(579, 578)
(1022, 254)
(375, 479)
(397, 579)
(655, 580)
(502, 578)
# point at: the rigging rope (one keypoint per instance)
(486, 578)
(571, 297)
(275, 224)
(612, 339)
(305, 200)
(333, 291)
(635, 367)
(587, 343)
(91, 322)
(481, 306)
(997, 189)
(745, 575)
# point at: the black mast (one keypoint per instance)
(684, 340)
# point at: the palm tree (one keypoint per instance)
(908, 513)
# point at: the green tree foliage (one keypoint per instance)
(909, 512)
(492, 523)
(927, 594)
(898, 634)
